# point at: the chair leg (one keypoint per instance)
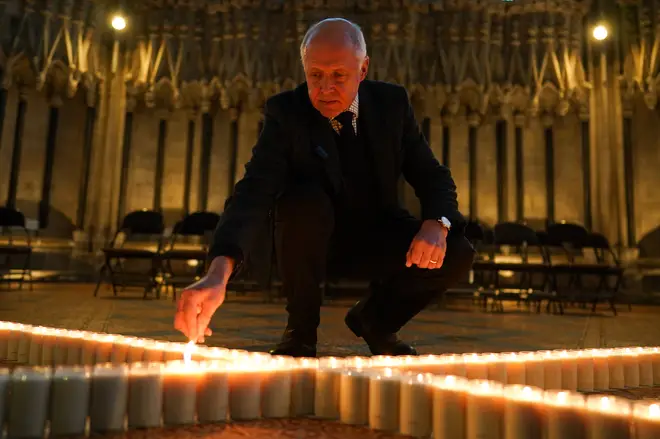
(98, 283)
(613, 307)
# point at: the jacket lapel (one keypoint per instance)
(322, 142)
(375, 127)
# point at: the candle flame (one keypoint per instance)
(420, 378)
(562, 397)
(605, 402)
(450, 379)
(654, 410)
(187, 352)
(387, 372)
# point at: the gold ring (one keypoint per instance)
(433, 262)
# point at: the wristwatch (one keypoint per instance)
(444, 222)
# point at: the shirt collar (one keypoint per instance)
(353, 108)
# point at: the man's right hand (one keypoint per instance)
(199, 301)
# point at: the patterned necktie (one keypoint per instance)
(346, 120)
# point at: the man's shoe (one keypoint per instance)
(379, 343)
(293, 346)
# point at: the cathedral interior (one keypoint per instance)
(544, 110)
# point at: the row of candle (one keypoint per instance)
(77, 400)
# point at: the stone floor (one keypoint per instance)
(248, 322)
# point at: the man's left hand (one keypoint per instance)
(428, 247)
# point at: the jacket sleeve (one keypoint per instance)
(254, 195)
(432, 182)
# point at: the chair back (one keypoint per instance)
(602, 249)
(474, 232)
(514, 234)
(143, 222)
(561, 234)
(10, 217)
(197, 224)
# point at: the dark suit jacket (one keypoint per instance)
(297, 146)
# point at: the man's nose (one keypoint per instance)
(327, 84)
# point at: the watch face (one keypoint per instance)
(445, 222)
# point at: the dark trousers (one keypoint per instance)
(312, 236)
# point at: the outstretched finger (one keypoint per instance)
(190, 312)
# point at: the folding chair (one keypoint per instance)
(139, 239)
(183, 257)
(564, 245)
(519, 264)
(10, 221)
(483, 267)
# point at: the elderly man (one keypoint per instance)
(328, 164)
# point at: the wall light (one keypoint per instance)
(600, 32)
(118, 22)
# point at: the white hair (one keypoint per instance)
(353, 32)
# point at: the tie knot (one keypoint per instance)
(345, 119)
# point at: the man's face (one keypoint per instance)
(333, 72)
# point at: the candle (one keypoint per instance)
(104, 348)
(655, 358)
(154, 351)
(119, 353)
(23, 344)
(302, 387)
(601, 369)
(646, 420)
(645, 367)
(326, 396)
(73, 344)
(69, 401)
(609, 417)
(245, 390)
(213, 393)
(89, 345)
(565, 418)
(452, 365)
(6, 329)
(569, 370)
(12, 335)
(523, 415)
(109, 398)
(552, 370)
(136, 350)
(384, 391)
(615, 366)
(534, 369)
(180, 382)
(476, 366)
(584, 363)
(515, 368)
(631, 370)
(216, 353)
(416, 405)
(145, 395)
(276, 388)
(354, 397)
(423, 364)
(35, 337)
(484, 410)
(449, 402)
(28, 403)
(496, 368)
(5, 376)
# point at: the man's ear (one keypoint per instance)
(364, 69)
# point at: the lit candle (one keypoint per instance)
(73, 343)
(22, 344)
(136, 350)
(601, 369)
(245, 379)
(631, 369)
(496, 368)
(354, 397)
(119, 353)
(5, 376)
(384, 391)
(104, 348)
(453, 365)
(534, 369)
(90, 344)
(6, 329)
(484, 410)
(69, 401)
(645, 367)
(584, 362)
(276, 388)
(424, 364)
(515, 368)
(609, 417)
(109, 398)
(615, 366)
(655, 359)
(145, 395)
(48, 341)
(213, 393)
(154, 351)
(416, 409)
(523, 414)
(35, 345)
(449, 401)
(476, 366)
(565, 418)
(326, 396)
(28, 402)
(552, 370)
(302, 387)
(180, 382)
(569, 370)
(646, 420)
